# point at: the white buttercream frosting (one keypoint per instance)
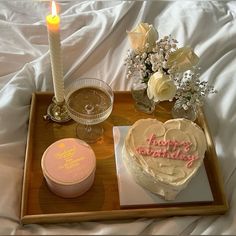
(163, 157)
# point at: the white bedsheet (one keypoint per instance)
(94, 43)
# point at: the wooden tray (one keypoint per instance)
(101, 202)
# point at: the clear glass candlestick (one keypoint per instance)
(57, 112)
(89, 102)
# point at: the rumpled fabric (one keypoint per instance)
(94, 43)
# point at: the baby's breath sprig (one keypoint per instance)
(151, 61)
(191, 90)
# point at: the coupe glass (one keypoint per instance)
(89, 102)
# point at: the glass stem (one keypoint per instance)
(88, 128)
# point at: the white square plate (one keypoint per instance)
(132, 194)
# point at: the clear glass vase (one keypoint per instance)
(179, 112)
(139, 94)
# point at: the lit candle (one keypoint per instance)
(53, 25)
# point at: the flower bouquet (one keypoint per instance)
(157, 64)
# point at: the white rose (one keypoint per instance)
(160, 87)
(141, 35)
(182, 59)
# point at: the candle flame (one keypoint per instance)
(54, 9)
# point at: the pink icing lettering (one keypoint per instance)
(149, 152)
(162, 143)
(155, 142)
(163, 153)
(156, 154)
(190, 161)
(151, 139)
(187, 146)
(166, 153)
(178, 150)
(175, 155)
(175, 144)
(141, 150)
(167, 144)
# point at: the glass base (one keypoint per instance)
(142, 102)
(179, 112)
(89, 133)
(146, 108)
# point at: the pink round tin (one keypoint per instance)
(68, 166)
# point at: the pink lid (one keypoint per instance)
(68, 161)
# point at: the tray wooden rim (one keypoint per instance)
(162, 211)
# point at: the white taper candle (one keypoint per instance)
(53, 26)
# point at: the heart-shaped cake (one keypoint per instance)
(164, 157)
